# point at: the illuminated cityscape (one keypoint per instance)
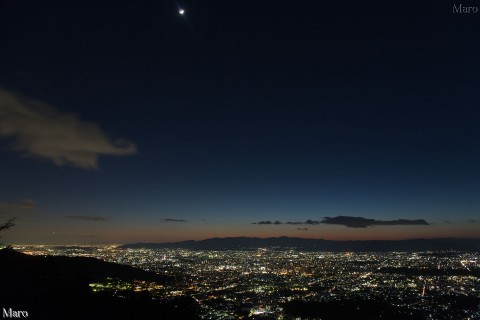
(240, 159)
(261, 283)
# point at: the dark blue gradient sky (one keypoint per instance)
(242, 111)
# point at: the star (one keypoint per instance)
(181, 11)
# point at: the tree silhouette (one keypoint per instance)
(7, 225)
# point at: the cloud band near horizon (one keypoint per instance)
(173, 220)
(350, 222)
(87, 218)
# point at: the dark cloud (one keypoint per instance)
(267, 222)
(447, 221)
(310, 222)
(87, 218)
(473, 221)
(173, 220)
(353, 222)
(263, 222)
(302, 229)
(360, 222)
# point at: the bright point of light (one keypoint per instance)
(181, 11)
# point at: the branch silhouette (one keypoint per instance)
(8, 224)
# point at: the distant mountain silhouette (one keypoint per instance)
(248, 243)
(57, 287)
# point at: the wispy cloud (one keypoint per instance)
(173, 220)
(311, 222)
(15, 208)
(473, 221)
(302, 229)
(351, 222)
(267, 222)
(39, 130)
(82, 236)
(87, 218)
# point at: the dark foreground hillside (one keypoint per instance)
(55, 287)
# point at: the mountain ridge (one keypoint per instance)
(309, 244)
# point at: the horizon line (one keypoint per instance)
(152, 242)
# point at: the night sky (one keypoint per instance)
(128, 121)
